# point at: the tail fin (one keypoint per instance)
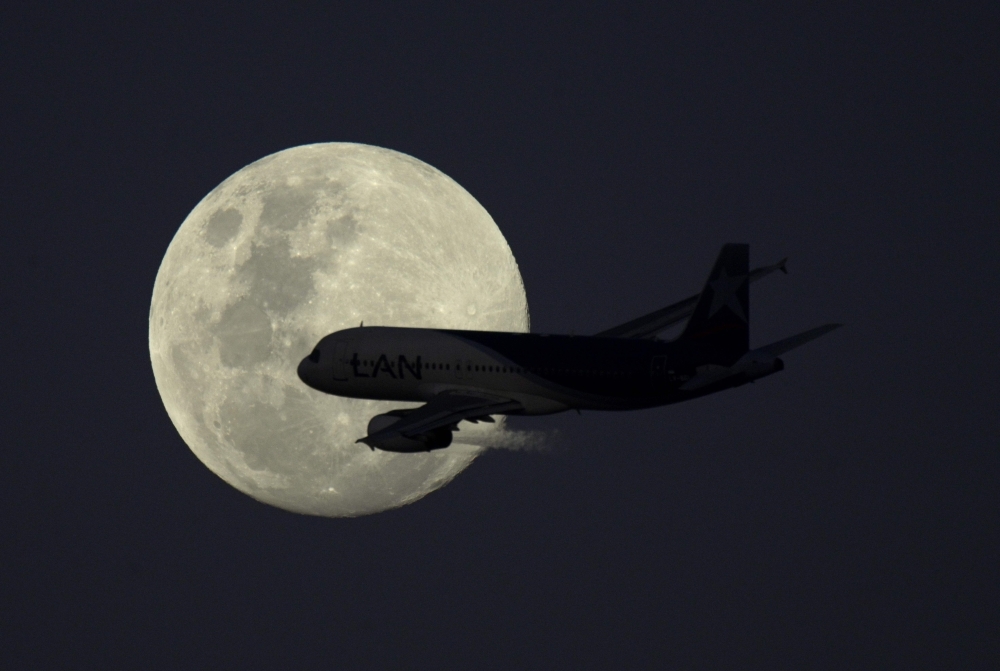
(721, 318)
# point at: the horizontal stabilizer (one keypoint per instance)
(782, 346)
(756, 363)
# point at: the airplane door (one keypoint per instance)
(340, 361)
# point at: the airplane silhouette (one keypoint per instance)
(472, 375)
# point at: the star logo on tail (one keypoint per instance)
(724, 289)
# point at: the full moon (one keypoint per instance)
(297, 245)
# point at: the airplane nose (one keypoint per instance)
(309, 371)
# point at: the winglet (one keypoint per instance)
(764, 271)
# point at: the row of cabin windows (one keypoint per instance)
(514, 369)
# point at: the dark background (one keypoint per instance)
(842, 514)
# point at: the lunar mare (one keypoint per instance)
(297, 245)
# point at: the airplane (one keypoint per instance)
(473, 375)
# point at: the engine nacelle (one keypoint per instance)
(435, 439)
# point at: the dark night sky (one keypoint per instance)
(842, 514)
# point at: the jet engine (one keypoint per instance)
(435, 439)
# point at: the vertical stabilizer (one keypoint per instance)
(721, 319)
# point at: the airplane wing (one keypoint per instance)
(649, 325)
(445, 410)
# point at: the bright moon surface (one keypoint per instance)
(302, 243)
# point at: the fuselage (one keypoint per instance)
(544, 373)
